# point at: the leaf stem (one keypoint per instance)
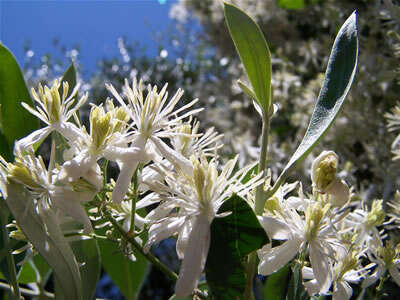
(259, 204)
(134, 200)
(154, 260)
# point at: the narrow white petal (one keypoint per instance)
(177, 159)
(371, 279)
(162, 230)
(275, 258)
(27, 142)
(195, 257)
(183, 238)
(123, 181)
(394, 272)
(321, 266)
(343, 291)
(275, 229)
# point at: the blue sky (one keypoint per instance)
(94, 25)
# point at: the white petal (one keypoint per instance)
(339, 192)
(68, 202)
(183, 238)
(312, 287)
(177, 159)
(73, 169)
(162, 230)
(275, 258)
(321, 266)
(123, 181)
(275, 229)
(195, 257)
(343, 291)
(394, 272)
(27, 142)
(70, 131)
(370, 280)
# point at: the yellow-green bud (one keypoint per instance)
(376, 216)
(323, 170)
(314, 216)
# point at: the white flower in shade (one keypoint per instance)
(154, 118)
(324, 179)
(189, 204)
(66, 199)
(364, 224)
(55, 111)
(347, 270)
(313, 233)
(385, 258)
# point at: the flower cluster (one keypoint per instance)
(171, 168)
(337, 240)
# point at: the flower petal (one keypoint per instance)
(275, 229)
(321, 266)
(271, 260)
(195, 257)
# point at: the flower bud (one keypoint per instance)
(323, 170)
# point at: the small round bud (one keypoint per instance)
(323, 170)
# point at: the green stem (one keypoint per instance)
(154, 260)
(259, 205)
(16, 294)
(260, 195)
(134, 200)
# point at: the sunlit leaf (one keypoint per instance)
(70, 77)
(87, 254)
(232, 238)
(126, 274)
(46, 236)
(339, 76)
(13, 91)
(253, 52)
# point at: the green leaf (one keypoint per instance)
(87, 253)
(339, 76)
(70, 77)
(276, 284)
(291, 4)
(126, 274)
(253, 52)
(46, 236)
(232, 238)
(15, 121)
(28, 273)
(296, 290)
(5, 149)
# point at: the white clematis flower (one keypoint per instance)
(189, 204)
(66, 199)
(314, 233)
(55, 111)
(154, 118)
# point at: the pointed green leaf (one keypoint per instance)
(232, 238)
(13, 91)
(87, 253)
(70, 77)
(129, 276)
(339, 76)
(276, 284)
(253, 52)
(46, 236)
